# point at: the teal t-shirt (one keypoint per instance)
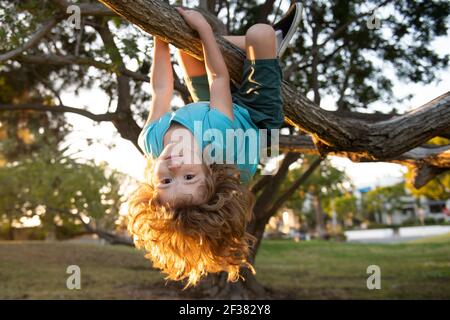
(235, 141)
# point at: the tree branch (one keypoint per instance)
(274, 182)
(53, 59)
(125, 123)
(57, 60)
(264, 10)
(260, 184)
(438, 156)
(33, 41)
(86, 9)
(336, 33)
(422, 174)
(58, 109)
(110, 237)
(290, 191)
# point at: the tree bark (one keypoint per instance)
(426, 161)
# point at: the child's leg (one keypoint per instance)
(238, 41)
(194, 71)
(191, 66)
(260, 42)
(260, 89)
(195, 77)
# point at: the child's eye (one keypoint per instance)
(166, 180)
(189, 176)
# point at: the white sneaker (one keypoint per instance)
(286, 27)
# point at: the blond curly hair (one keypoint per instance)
(189, 241)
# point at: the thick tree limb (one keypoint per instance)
(426, 162)
(378, 141)
(422, 174)
(438, 156)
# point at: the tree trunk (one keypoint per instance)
(10, 230)
(320, 223)
(51, 233)
(217, 287)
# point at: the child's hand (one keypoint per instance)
(193, 18)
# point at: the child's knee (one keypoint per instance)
(260, 32)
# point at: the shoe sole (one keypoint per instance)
(297, 18)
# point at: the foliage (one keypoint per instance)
(326, 182)
(60, 191)
(24, 133)
(383, 199)
(24, 18)
(352, 64)
(345, 206)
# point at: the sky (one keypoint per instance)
(126, 158)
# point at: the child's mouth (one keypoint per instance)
(172, 156)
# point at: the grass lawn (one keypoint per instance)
(304, 270)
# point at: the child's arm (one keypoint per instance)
(161, 80)
(218, 77)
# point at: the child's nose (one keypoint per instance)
(174, 164)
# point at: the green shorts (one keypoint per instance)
(259, 92)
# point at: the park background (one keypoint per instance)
(64, 177)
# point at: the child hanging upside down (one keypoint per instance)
(192, 212)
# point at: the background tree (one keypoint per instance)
(383, 200)
(61, 192)
(346, 209)
(322, 186)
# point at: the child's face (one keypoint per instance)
(175, 179)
